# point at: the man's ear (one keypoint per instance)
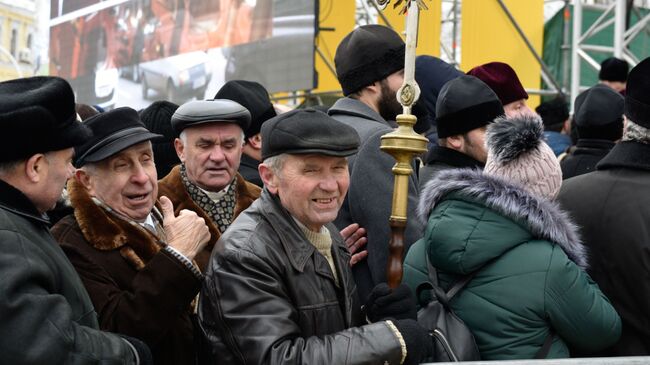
(255, 141)
(84, 179)
(35, 168)
(456, 142)
(268, 177)
(180, 149)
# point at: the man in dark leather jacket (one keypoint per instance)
(46, 316)
(278, 288)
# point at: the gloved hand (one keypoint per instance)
(419, 344)
(142, 351)
(384, 302)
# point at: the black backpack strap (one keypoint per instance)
(546, 347)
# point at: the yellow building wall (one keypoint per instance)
(487, 35)
(337, 14)
(428, 28)
(25, 23)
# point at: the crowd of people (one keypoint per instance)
(233, 231)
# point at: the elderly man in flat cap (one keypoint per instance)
(279, 288)
(134, 258)
(46, 316)
(211, 136)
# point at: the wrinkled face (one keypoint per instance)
(518, 107)
(388, 106)
(126, 181)
(59, 170)
(211, 154)
(312, 188)
(474, 144)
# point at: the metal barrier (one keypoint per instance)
(633, 360)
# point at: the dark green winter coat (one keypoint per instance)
(531, 263)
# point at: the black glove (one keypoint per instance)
(143, 352)
(384, 302)
(419, 345)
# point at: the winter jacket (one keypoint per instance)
(46, 316)
(269, 297)
(137, 288)
(530, 277)
(612, 207)
(558, 142)
(248, 170)
(584, 158)
(369, 197)
(172, 187)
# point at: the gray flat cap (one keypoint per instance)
(307, 131)
(209, 111)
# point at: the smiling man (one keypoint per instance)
(134, 259)
(211, 137)
(279, 289)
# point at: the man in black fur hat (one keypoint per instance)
(611, 205)
(370, 68)
(46, 316)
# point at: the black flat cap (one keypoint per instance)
(464, 104)
(37, 115)
(598, 113)
(252, 96)
(113, 131)
(198, 112)
(307, 131)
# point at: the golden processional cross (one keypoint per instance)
(403, 143)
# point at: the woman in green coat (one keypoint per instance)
(530, 280)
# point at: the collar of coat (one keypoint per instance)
(15, 201)
(451, 157)
(629, 154)
(356, 108)
(543, 218)
(105, 231)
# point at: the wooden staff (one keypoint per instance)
(403, 143)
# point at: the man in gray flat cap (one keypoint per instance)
(46, 316)
(279, 288)
(134, 258)
(211, 136)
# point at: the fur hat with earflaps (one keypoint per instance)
(517, 152)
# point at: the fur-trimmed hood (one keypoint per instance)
(544, 219)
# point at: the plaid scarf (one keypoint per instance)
(221, 211)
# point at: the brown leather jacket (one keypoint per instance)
(172, 187)
(269, 297)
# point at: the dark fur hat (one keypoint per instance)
(637, 94)
(37, 115)
(613, 69)
(252, 96)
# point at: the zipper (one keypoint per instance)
(441, 337)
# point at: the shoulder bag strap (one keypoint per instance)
(546, 347)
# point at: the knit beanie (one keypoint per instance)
(637, 94)
(502, 79)
(157, 118)
(465, 103)
(598, 113)
(367, 54)
(517, 152)
(252, 96)
(613, 69)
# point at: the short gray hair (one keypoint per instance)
(183, 137)
(275, 163)
(9, 167)
(635, 132)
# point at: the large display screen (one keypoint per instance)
(132, 52)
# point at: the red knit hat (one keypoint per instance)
(502, 79)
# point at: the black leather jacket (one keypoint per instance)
(269, 297)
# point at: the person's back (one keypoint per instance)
(530, 282)
(611, 205)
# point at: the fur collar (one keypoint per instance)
(107, 232)
(543, 218)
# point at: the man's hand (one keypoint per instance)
(355, 239)
(187, 233)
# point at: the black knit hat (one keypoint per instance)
(598, 113)
(197, 112)
(157, 118)
(637, 94)
(305, 131)
(464, 104)
(254, 97)
(113, 131)
(37, 115)
(613, 69)
(367, 54)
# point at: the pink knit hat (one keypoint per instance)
(517, 152)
